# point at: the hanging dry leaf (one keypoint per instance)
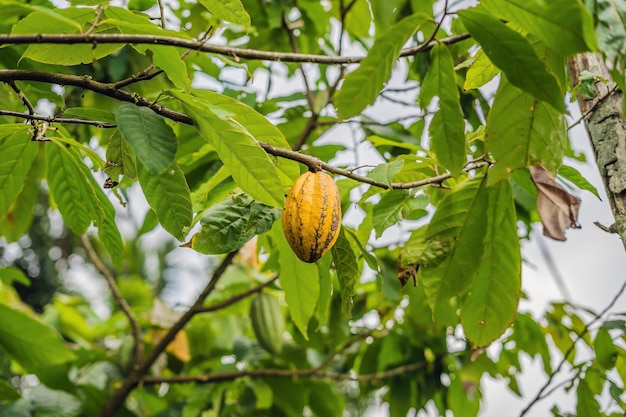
(557, 207)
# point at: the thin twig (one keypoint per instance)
(116, 401)
(540, 395)
(117, 296)
(312, 161)
(29, 106)
(148, 73)
(235, 298)
(52, 119)
(286, 373)
(161, 13)
(293, 155)
(99, 12)
(88, 83)
(404, 103)
(239, 53)
(593, 107)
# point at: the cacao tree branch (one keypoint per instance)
(313, 162)
(88, 83)
(287, 373)
(27, 104)
(236, 53)
(272, 150)
(52, 119)
(116, 401)
(541, 394)
(606, 127)
(235, 298)
(119, 299)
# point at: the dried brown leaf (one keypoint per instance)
(557, 207)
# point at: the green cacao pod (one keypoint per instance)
(312, 215)
(268, 322)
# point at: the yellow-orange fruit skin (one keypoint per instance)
(312, 215)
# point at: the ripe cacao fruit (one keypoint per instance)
(312, 215)
(268, 322)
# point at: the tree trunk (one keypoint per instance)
(606, 127)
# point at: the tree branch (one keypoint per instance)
(88, 83)
(237, 53)
(540, 395)
(287, 373)
(272, 150)
(119, 299)
(27, 104)
(312, 161)
(116, 401)
(235, 298)
(52, 119)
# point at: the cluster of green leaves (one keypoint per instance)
(201, 160)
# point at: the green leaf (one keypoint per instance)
(168, 59)
(64, 21)
(258, 126)
(572, 175)
(228, 10)
(54, 403)
(529, 337)
(523, 131)
(361, 87)
(605, 350)
(71, 191)
(9, 275)
(31, 343)
(18, 153)
(322, 309)
(564, 25)
(325, 400)
(7, 392)
(299, 280)
(425, 252)
(120, 158)
(491, 303)
(515, 56)
(88, 113)
(587, 404)
(228, 225)
(384, 172)
(460, 216)
(347, 270)
(168, 195)
(447, 128)
(250, 166)
(611, 29)
(148, 135)
(480, 72)
(80, 199)
(388, 211)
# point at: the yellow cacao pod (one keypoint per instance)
(312, 215)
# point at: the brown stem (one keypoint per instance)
(235, 298)
(88, 83)
(52, 119)
(604, 121)
(237, 53)
(137, 375)
(313, 162)
(119, 299)
(307, 160)
(286, 373)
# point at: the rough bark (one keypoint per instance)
(606, 127)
